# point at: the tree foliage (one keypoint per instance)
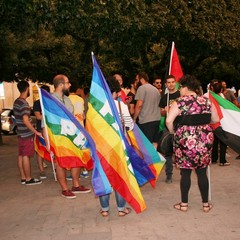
(40, 38)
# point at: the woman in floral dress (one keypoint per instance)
(190, 117)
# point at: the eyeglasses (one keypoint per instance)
(66, 83)
(157, 82)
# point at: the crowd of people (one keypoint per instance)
(187, 113)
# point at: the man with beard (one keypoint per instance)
(62, 85)
(157, 82)
(25, 133)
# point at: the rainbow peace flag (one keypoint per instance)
(123, 167)
(154, 160)
(40, 148)
(69, 141)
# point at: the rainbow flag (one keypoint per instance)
(103, 123)
(40, 148)
(69, 141)
(144, 147)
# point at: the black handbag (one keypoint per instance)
(165, 143)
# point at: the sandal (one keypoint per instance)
(207, 208)
(181, 207)
(125, 212)
(104, 213)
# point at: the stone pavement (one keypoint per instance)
(40, 213)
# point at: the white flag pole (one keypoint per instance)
(167, 103)
(170, 63)
(169, 72)
(46, 134)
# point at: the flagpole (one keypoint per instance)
(209, 183)
(46, 133)
(167, 103)
(170, 64)
(125, 131)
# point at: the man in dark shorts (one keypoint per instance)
(164, 105)
(25, 133)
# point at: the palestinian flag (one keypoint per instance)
(174, 65)
(229, 116)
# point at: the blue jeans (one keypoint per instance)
(104, 201)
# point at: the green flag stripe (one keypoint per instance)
(225, 103)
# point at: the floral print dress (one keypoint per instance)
(193, 144)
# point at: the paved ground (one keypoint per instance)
(40, 213)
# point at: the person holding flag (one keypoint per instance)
(120, 165)
(128, 125)
(217, 88)
(175, 73)
(38, 113)
(79, 114)
(165, 104)
(62, 84)
(25, 133)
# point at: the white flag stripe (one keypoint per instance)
(231, 121)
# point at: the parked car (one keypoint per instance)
(8, 121)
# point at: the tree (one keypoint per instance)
(45, 37)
